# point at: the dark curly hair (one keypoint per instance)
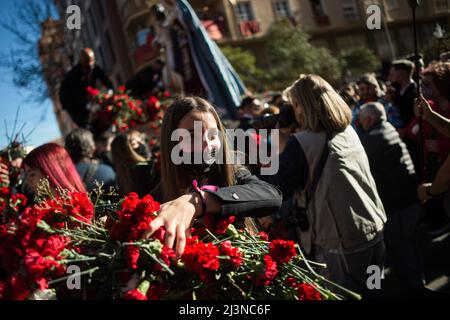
(80, 144)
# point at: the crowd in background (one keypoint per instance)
(350, 158)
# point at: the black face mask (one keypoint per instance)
(28, 192)
(143, 150)
(201, 169)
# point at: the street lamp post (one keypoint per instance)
(414, 4)
(387, 31)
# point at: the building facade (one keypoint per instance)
(54, 61)
(101, 30)
(121, 32)
(334, 24)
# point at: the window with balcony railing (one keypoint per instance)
(349, 10)
(320, 16)
(282, 8)
(318, 7)
(246, 19)
(244, 11)
(441, 5)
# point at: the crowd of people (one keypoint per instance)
(351, 187)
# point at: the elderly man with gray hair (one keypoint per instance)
(370, 91)
(396, 180)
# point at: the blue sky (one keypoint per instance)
(39, 117)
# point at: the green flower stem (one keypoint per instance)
(351, 293)
(324, 292)
(163, 265)
(90, 271)
(68, 261)
(73, 235)
(91, 225)
(212, 235)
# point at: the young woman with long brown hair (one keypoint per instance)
(231, 190)
(135, 167)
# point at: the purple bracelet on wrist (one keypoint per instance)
(199, 191)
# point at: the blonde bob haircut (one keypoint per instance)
(323, 108)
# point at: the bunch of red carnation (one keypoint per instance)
(282, 251)
(10, 204)
(124, 111)
(72, 210)
(29, 244)
(133, 220)
(218, 226)
(39, 263)
(233, 253)
(29, 255)
(201, 258)
(305, 291)
(266, 271)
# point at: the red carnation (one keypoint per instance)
(153, 101)
(282, 251)
(18, 200)
(93, 92)
(134, 218)
(52, 245)
(38, 267)
(122, 89)
(201, 258)
(4, 192)
(80, 207)
(139, 293)
(166, 255)
(232, 252)
(268, 273)
(14, 288)
(77, 205)
(218, 227)
(156, 291)
(130, 202)
(263, 236)
(131, 255)
(292, 282)
(134, 294)
(308, 292)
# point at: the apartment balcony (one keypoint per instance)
(322, 21)
(215, 29)
(249, 28)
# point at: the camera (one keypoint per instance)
(284, 119)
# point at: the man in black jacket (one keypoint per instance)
(400, 76)
(73, 92)
(396, 180)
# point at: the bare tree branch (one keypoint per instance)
(22, 61)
